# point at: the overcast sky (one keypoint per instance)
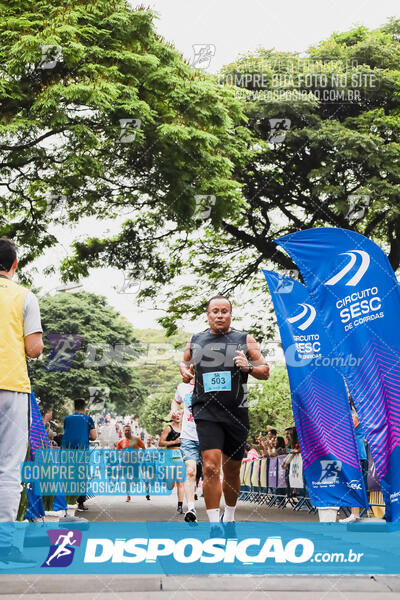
(233, 27)
(237, 26)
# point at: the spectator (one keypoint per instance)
(78, 430)
(171, 438)
(292, 441)
(20, 336)
(293, 448)
(252, 453)
(268, 443)
(278, 446)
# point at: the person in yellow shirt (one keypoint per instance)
(20, 336)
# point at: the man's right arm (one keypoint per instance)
(32, 326)
(185, 367)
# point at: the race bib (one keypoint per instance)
(188, 399)
(217, 382)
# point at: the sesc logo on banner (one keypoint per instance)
(307, 316)
(361, 270)
(362, 306)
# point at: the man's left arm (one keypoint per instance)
(92, 430)
(254, 363)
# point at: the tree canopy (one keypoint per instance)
(270, 403)
(88, 345)
(157, 367)
(102, 115)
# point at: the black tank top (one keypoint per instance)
(173, 435)
(220, 391)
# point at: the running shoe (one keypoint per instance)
(229, 527)
(190, 516)
(81, 506)
(72, 519)
(216, 531)
(147, 497)
(351, 519)
(180, 510)
(196, 497)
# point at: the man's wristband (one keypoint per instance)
(251, 367)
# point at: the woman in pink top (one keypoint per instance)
(252, 454)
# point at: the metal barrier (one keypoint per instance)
(265, 481)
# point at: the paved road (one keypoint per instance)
(126, 587)
(163, 587)
(163, 508)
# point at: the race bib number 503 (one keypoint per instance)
(217, 382)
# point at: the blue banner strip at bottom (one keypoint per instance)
(201, 548)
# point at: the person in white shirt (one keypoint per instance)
(190, 447)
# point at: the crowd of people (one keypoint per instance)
(271, 444)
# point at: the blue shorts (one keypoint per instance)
(190, 450)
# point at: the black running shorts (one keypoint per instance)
(231, 437)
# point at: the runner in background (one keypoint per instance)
(171, 438)
(150, 445)
(79, 428)
(190, 446)
(221, 358)
(129, 441)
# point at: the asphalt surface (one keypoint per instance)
(176, 587)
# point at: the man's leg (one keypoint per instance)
(212, 489)
(231, 484)
(13, 447)
(233, 452)
(211, 440)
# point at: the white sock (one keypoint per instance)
(190, 505)
(229, 514)
(213, 515)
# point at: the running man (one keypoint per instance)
(190, 446)
(221, 358)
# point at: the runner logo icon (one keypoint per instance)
(61, 551)
(330, 470)
(309, 312)
(356, 278)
